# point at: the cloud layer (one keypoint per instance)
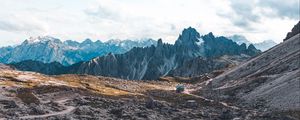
(134, 19)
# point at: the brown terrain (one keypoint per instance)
(28, 95)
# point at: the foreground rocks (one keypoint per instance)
(64, 102)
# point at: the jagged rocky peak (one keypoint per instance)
(159, 42)
(98, 42)
(251, 47)
(209, 37)
(243, 46)
(189, 37)
(71, 43)
(87, 41)
(42, 39)
(210, 34)
(295, 31)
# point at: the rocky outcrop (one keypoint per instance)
(219, 46)
(295, 31)
(266, 81)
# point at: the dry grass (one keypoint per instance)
(100, 85)
(188, 80)
(7, 83)
(93, 84)
(110, 86)
(27, 96)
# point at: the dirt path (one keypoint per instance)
(67, 111)
(188, 91)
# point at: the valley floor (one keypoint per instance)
(27, 95)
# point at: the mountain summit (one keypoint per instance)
(263, 46)
(189, 38)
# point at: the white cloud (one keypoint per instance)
(20, 25)
(134, 19)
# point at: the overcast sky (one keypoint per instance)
(135, 19)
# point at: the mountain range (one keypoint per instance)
(265, 87)
(48, 49)
(263, 46)
(150, 63)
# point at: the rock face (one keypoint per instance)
(295, 31)
(189, 38)
(219, 46)
(48, 49)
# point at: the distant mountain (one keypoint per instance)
(4, 51)
(53, 68)
(239, 39)
(48, 49)
(263, 46)
(150, 63)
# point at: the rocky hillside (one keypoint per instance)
(48, 49)
(199, 66)
(269, 82)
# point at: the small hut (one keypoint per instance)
(179, 88)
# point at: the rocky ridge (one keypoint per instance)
(48, 49)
